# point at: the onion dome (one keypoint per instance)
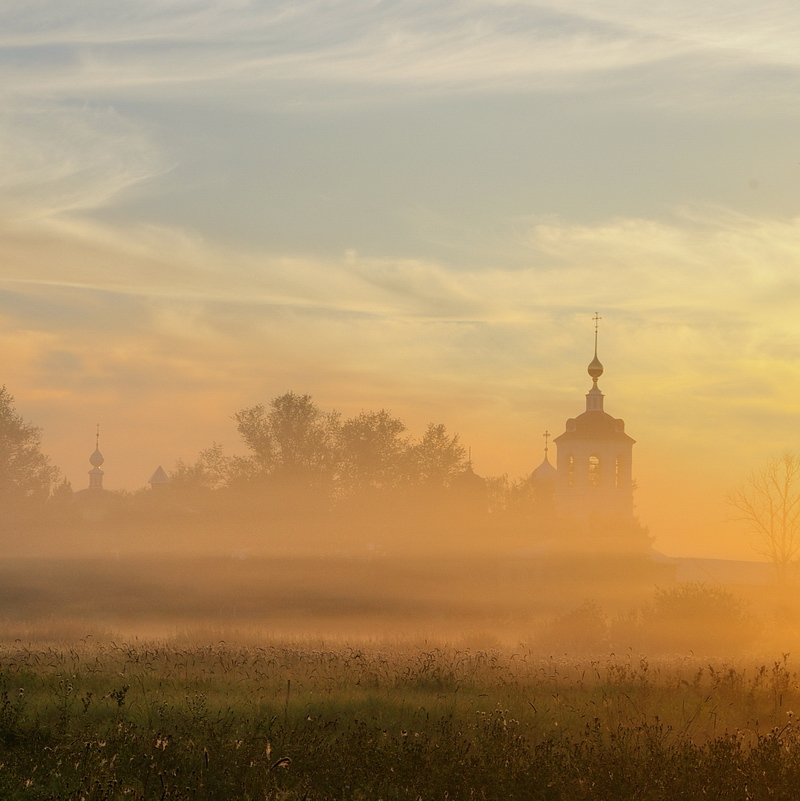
(545, 472)
(595, 368)
(96, 459)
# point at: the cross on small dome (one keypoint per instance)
(96, 459)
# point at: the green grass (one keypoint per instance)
(298, 722)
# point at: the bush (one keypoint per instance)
(583, 630)
(688, 617)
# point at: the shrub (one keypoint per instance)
(583, 630)
(688, 617)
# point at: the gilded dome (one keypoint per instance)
(595, 368)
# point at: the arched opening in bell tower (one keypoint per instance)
(595, 471)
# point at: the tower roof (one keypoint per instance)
(159, 477)
(594, 425)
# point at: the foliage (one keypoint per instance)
(583, 630)
(211, 470)
(375, 452)
(26, 475)
(292, 440)
(437, 458)
(769, 504)
(688, 617)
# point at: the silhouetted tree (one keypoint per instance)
(687, 616)
(292, 440)
(769, 504)
(374, 452)
(26, 475)
(497, 494)
(437, 458)
(210, 471)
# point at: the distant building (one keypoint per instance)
(543, 481)
(470, 492)
(593, 469)
(699, 570)
(159, 480)
(94, 502)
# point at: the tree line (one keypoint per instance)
(306, 470)
(293, 445)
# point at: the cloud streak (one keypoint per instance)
(444, 46)
(704, 256)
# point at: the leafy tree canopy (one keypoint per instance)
(291, 439)
(26, 475)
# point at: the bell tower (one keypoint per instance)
(593, 468)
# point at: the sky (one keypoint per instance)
(416, 206)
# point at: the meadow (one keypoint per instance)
(389, 680)
(313, 721)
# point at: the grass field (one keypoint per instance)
(310, 721)
(308, 679)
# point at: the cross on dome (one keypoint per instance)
(96, 459)
(595, 368)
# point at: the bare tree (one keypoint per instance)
(769, 504)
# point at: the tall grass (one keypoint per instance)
(159, 721)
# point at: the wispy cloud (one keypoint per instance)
(69, 138)
(445, 45)
(704, 266)
(57, 157)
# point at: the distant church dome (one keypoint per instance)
(545, 472)
(471, 491)
(468, 479)
(94, 502)
(96, 459)
(595, 368)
